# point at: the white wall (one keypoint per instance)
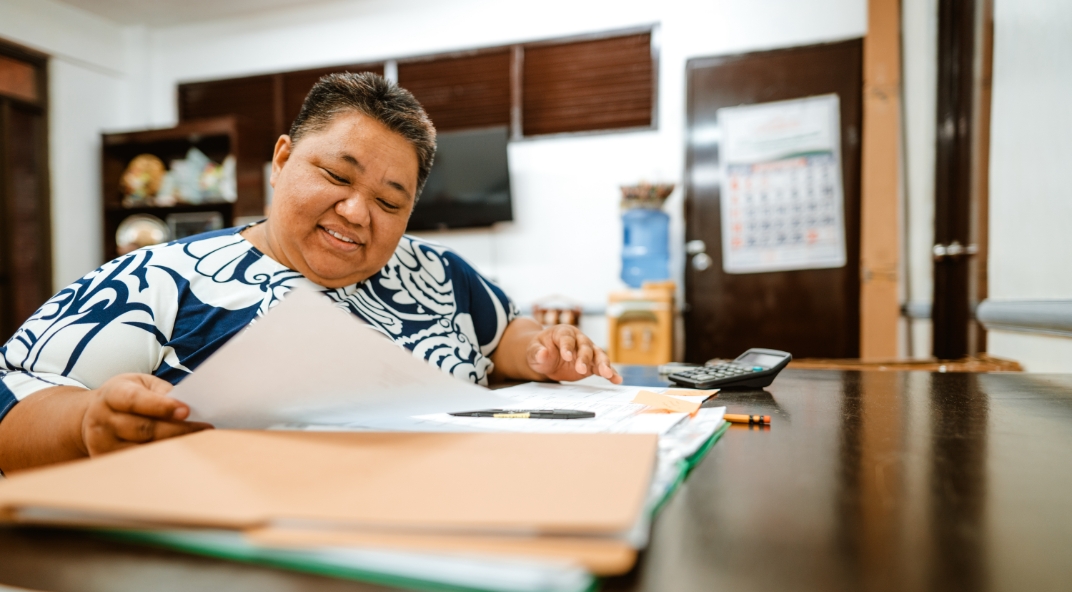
(566, 235)
(87, 85)
(920, 79)
(1030, 172)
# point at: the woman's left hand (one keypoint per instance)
(528, 351)
(562, 352)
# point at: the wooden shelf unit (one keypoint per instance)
(217, 137)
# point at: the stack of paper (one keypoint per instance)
(429, 498)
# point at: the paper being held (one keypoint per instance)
(307, 361)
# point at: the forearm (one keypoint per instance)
(44, 428)
(510, 357)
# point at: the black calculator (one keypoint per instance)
(755, 368)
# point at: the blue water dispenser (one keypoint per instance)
(645, 234)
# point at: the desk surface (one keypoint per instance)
(866, 481)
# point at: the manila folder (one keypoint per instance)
(431, 483)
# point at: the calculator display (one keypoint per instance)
(758, 359)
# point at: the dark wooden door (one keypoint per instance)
(809, 313)
(25, 237)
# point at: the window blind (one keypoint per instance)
(252, 98)
(462, 92)
(588, 85)
(297, 84)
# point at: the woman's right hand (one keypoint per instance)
(132, 409)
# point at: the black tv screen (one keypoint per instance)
(469, 184)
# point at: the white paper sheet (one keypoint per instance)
(309, 362)
(611, 404)
(615, 414)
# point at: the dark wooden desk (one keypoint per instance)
(867, 481)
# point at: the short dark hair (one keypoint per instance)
(374, 96)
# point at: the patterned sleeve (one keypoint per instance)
(104, 324)
(489, 307)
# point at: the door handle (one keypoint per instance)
(953, 250)
(700, 259)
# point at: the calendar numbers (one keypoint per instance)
(781, 198)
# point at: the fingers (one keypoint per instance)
(143, 395)
(563, 352)
(131, 409)
(579, 348)
(552, 348)
(563, 336)
(573, 346)
(542, 357)
(134, 428)
(585, 354)
(604, 369)
(153, 383)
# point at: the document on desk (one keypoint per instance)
(615, 413)
(308, 362)
(613, 406)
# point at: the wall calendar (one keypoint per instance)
(781, 194)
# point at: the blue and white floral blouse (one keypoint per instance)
(164, 309)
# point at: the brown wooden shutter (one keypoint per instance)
(462, 92)
(588, 85)
(253, 99)
(297, 84)
(267, 103)
(18, 79)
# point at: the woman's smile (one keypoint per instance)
(338, 240)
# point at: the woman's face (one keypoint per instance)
(342, 199)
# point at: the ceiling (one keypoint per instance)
(161, 13)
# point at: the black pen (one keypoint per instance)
(528, 414)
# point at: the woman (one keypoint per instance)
(90, 371)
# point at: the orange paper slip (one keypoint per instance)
(703, 395)
(667, 402)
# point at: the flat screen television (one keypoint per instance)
(469, 185)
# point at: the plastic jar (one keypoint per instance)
(645, 246)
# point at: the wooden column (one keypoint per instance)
(880, 183)
(979, 278)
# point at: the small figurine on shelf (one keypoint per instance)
(191, 180)
(228, 179)
(167, 196)
(217, 182)
(187, 173)
(141, 180)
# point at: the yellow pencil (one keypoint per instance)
(740, 418)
